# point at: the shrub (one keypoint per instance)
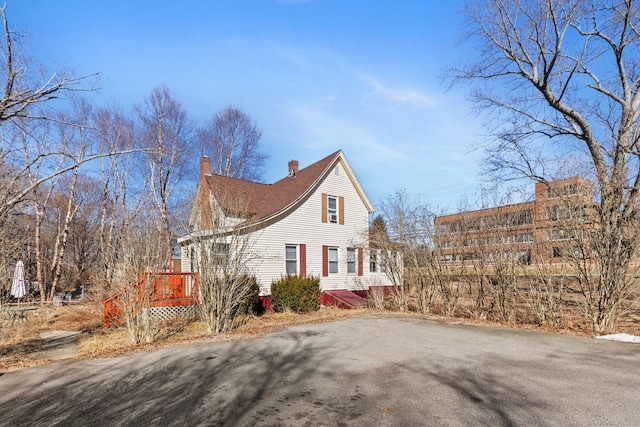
(225, 300)
(376, 297)
(252, 304)
(296, 293)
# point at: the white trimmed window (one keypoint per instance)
(333, 260)
(351, 260)
(332, 209)
(291, 259)
(220, 253)
(373, 262)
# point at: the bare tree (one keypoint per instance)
(120, 198)
(398, 243)
(84, 236)
(560, 78)
(221, 257)
(141, 249)
(232, 140)
(165, 132)
(34, 153)
(544, 287)
(462, 265)
(23, 89)
(24, 100)
(76, 140)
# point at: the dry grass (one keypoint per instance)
(21, 346)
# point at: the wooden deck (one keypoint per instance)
(165, 289)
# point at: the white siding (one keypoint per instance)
(304, 226)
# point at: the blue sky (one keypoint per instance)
(316, 76)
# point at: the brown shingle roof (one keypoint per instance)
(257, 201)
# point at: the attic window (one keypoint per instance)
(336, 170)
(333, 209)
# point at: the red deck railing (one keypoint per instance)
(162, 289)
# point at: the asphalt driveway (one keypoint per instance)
(394, 371)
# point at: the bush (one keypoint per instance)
(224, 301)
(252, 304)
(299, 294)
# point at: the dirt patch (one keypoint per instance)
(58, 345)
(36, 342)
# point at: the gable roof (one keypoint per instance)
(261, 202)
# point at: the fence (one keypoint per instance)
(162, 290)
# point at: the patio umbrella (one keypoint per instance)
(19, 287)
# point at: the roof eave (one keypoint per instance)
(340, 157)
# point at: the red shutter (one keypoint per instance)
(325, 261)
(360, 259)
(303, 260)
(341, 210)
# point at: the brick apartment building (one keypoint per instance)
(546, 229)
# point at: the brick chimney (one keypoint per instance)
(293, 167)
(204, 193)
(205, 166)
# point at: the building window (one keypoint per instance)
(333, 260)
(332, 209)
(566, 213)
(220, 253)
(351, 260)
(291, 259)
(566, 190)
(525, 257)
(562, 234)
(373, 262)
(525, 238)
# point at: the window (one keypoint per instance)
(220, 253)
(373, 262)
(332, 209)
(333, 260)
(291, 259)
(525, 238)
(566, 190)
(332, 212)
(351, 260)
(565, 213)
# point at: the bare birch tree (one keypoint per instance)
(165, 132)
(232, 140)
(24, 85)
(559, 79)
(120, 198)
(84, 236)
(24, 99)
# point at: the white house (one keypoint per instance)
(315, 221)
